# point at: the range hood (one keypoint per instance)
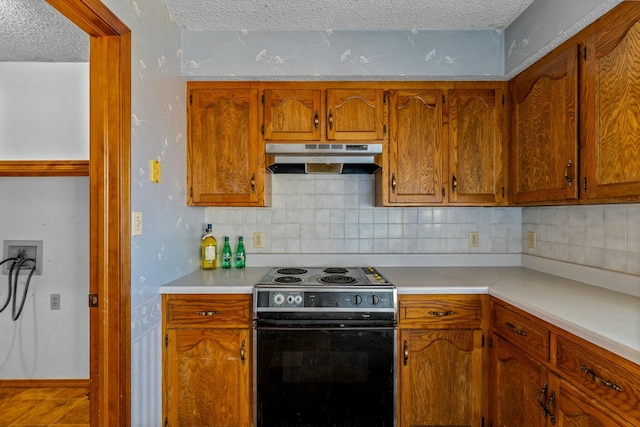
(323, 158)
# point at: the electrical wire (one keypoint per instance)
(15, 261)
(15, 315)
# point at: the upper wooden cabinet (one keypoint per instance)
(477, 146)
(609, 127)
(544, 136)
(225, 159)
(315, 114)
(416, 147)
(447, 145)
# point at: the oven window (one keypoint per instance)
(324, 378)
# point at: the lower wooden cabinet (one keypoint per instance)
(206, 362)
(441, 361)
(572, 383)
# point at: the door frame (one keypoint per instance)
(109, 208)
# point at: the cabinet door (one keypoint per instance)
(519, 388)
(573, 409)
(355, 114)
(225, 164)
(610, 129)
(476, 151)
(544, 150)
(207, 377)
(440, 380)
(415, 147)
(292, 114)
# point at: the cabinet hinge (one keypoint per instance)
(482, 340)
(503, 99)
(166, 422)
(490, 342)
(262, 129)
(166, 340)
(443, 192)
(93, 300)
(384, 99)
(443, 99)
(511, 191)
(584, 53)
(584, 183)
(191, 192)
(482, 421)
(262, 98)
(384, 129)
(503, 192)
(190, 99)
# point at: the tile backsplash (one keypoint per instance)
(336, 214)
(601, 236)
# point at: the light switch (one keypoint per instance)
(154, 171)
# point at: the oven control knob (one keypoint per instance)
(374, 299)
(278, 299)
(356, 299)
(298, 299)
(290, 299)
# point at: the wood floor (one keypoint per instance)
(31, 407)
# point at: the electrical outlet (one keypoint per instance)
(474, 240)
(258, 240)
(136, 223)
(55, 301)
(154, 171)
(531, 239)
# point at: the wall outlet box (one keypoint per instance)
(30, 249)
(258, 240)
(474, 239)
(55, 301)
(532, 239)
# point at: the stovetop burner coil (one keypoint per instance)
(287, 280)
(292, 271)
(337, 280)
(335, 270)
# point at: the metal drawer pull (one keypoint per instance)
(406, 352)
(597, 379)
(516, 330)
(208, 313)
(441, 313)
(242, 353)
(549, 408)
(543, 394)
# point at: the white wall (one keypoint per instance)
(44, 114)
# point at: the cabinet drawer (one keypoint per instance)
(613, 381)
(208, 311)
(430, 311)
(526, 334)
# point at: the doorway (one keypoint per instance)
(109, 207)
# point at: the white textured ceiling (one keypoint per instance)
(31, 30)
(265, 15)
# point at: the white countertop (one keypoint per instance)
(605, 317)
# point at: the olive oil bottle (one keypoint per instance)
(208, 250)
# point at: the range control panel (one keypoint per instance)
(291, 299)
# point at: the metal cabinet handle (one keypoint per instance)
(393, 182)
(566, 173)
(548, 409)
(406, 352)
(599, 380)
(253, 183)
(315, 121)
(208, 313)
(541, 399)
(330, 120)
(454, 183)
(441, 313)
(242, 350)
(516, 330)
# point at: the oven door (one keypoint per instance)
(323, 377)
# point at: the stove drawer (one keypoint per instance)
(203, 311)
(441, 311)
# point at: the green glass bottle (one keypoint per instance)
(226, 253)
(240, 254)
